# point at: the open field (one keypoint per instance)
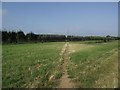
(53, 64)
(31, 65)
(94, 65)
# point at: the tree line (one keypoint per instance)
(21, 37)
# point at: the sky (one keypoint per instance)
(60, 0)
(0, 15)
(73, 18)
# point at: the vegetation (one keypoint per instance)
(34, 64)
(31, 65)
(94, 65)
(20, 37)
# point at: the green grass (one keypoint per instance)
(0, 66)
(38, 65)
(31, 65)
(89, 66)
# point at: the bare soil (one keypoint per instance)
(65, 82)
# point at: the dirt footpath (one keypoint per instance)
(65, 82)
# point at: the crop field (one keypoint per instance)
(82, 64)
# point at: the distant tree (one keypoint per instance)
(39, 38)
(20, 36)
(108, 37)
(32, 37)
(5, 36)
(43, 38)
(0, 36)
(12, 37)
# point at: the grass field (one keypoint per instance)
(94, 65)
(31, 65)
(38, 65)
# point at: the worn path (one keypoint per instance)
(65, 82)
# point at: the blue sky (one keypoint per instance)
(87, 18)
